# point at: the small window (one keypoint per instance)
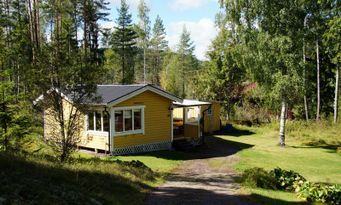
(98, 121)
(119, 121)
(137, 119)
(209, 111)
(128, 120)
(106, 123)
(91, 121)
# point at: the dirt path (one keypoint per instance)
(206, 179)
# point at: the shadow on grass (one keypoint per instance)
(232, 131)
(202, 196)
(24, 181)
(321, 144)
(213, 147)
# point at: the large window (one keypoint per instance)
(129, 120)
(98, 121)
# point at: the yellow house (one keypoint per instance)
(139, 118)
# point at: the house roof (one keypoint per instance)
(190, 103)
(114, 94)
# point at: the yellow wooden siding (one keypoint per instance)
(191, 131)
(90, 140)
(95, 141)
(157, 120)
(212, 122)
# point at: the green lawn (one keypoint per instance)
(319, 162)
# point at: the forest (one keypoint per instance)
(269, 60)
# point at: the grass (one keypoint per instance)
(311, 150)
(38, 178)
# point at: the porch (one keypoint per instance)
(187, 120)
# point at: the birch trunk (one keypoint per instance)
(305, 84)
(318, 80)
(282, 124)
(336, 101)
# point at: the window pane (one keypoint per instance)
(91, 121)
(118, 121)
(106, 123)
(98, 121)
(137, 119)
(128, 120)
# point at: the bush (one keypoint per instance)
(258, 177)
(280, 179)
(286, 180)
(330, 194)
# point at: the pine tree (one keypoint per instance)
(124, 43)
(158, 46)
(185, 51)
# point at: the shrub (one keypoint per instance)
(330, 194)
(258, 177)
(286, 180)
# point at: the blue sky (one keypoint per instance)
(197, 15)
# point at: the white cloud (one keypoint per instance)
(108, 25)
(181, 5)
(187, 4)
(202, 33)
(133, 4)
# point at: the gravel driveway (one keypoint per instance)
(207, 178)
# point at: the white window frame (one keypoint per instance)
(95, 132)
(130, 132)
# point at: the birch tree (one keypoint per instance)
(144, 25)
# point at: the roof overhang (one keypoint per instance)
(190, 103)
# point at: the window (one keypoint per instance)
(119, 121)
(128, 120)
(137, 119)
(98, 121)
(91, 121)
(209, 111)
(106, 123)
(192, 114)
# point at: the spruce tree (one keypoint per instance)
(124, 43)
(185, 51)
(158, 45)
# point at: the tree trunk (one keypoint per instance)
(318, 80)
(282, 124)
(305, 84)
(144, 65)
(336, 102)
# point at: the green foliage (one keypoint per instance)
(181, 66)
(158, 46)
(222, 77)
(286, 180)
(123, 43)
(259, 177)
(330, 194)
(292, 181)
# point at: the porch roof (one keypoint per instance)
(190, 103)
